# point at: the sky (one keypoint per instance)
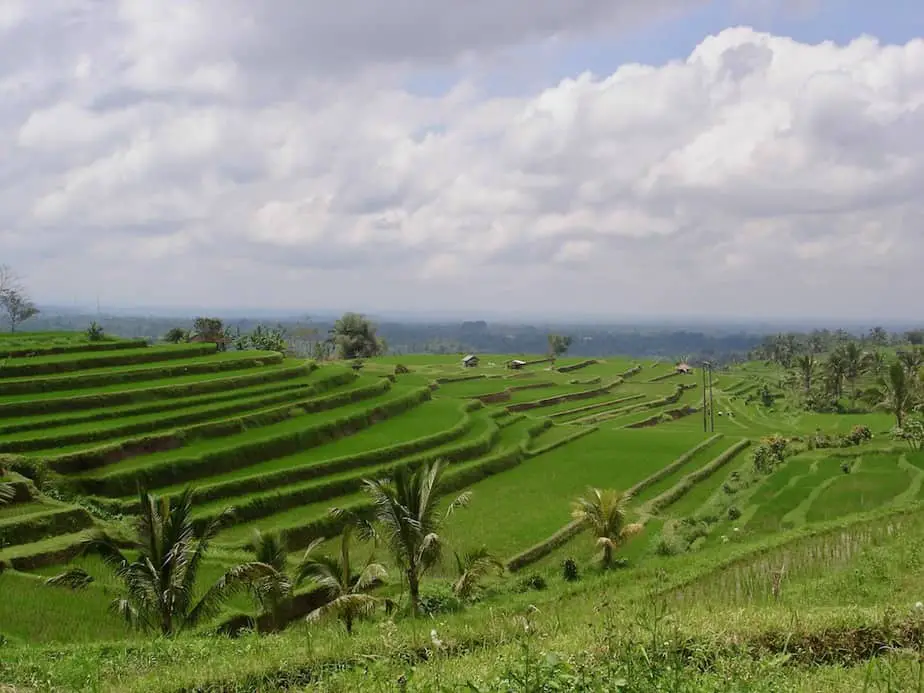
(734, 158)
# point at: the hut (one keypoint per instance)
(516, 364)
(684, 368)
(470, 361)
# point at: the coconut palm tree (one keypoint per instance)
(405, 510)
(898, 392)
(877, 363)
(471, 568)
(855, 362)
(347, 594)
(160, 584)
(807, 364)
(6, 493)
(836, 369)
(912, 360)
(606, 513)
(272, 592)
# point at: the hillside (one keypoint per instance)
(741, 563)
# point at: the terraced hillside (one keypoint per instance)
(83, 425)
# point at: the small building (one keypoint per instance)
(470, 361)
(516, 364)
(684, 368)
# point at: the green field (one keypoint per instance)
(282, 441)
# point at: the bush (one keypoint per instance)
(95, 332)
(734, 512)
(175, 335)
(668, 544)
(859, 434)
(401, 369)
(569, 570)
(438, 598)
(845, 467)
(531, 582)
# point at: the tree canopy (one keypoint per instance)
(354, 337)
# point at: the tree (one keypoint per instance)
(160, 584)
(273, 591)
(175, 335)
(911, 360)
(211, 330)
(17, 307)
(807, 365)
(264, 339)
(354, 337)
(558, 345)
(897, 392)
(409, 522)
(347, 594)
(915, 337)
(855, 361)
(606, 513)
(878, 337)
(876, 363)
(471, 568)
(835, 370)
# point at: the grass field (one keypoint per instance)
(283, 441)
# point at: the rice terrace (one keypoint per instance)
(223, 513)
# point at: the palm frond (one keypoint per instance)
(462, 501)
(472, 567)
(75, 578)
(371, 575)
(7, 493)
(354, 605)
(229, 584)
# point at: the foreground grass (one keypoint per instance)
(664, 625)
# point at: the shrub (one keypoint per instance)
(175, 335)
(569, 570)
(668, 544)
(734, 512)
(845, 467)
(401, 369)
(859, 434)
(531, 582)
(438, 598)
(95, 332)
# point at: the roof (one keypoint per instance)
(470, 357)
(684, 367)
(519, 362)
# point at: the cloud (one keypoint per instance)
(270, 155)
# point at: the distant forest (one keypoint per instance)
(471, 336)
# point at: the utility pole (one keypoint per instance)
(711, 401)
(705, 411)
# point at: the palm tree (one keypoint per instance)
(807, 365)
(606, 512)
(836, 368)
(273, 592)
(897, 392)
(471, 568)
(347, 593)
(160, 584)
(877, 363)
(855, 362)
(911, 361)
(6, 493)
(409, 522)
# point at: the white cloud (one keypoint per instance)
(176, 135)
